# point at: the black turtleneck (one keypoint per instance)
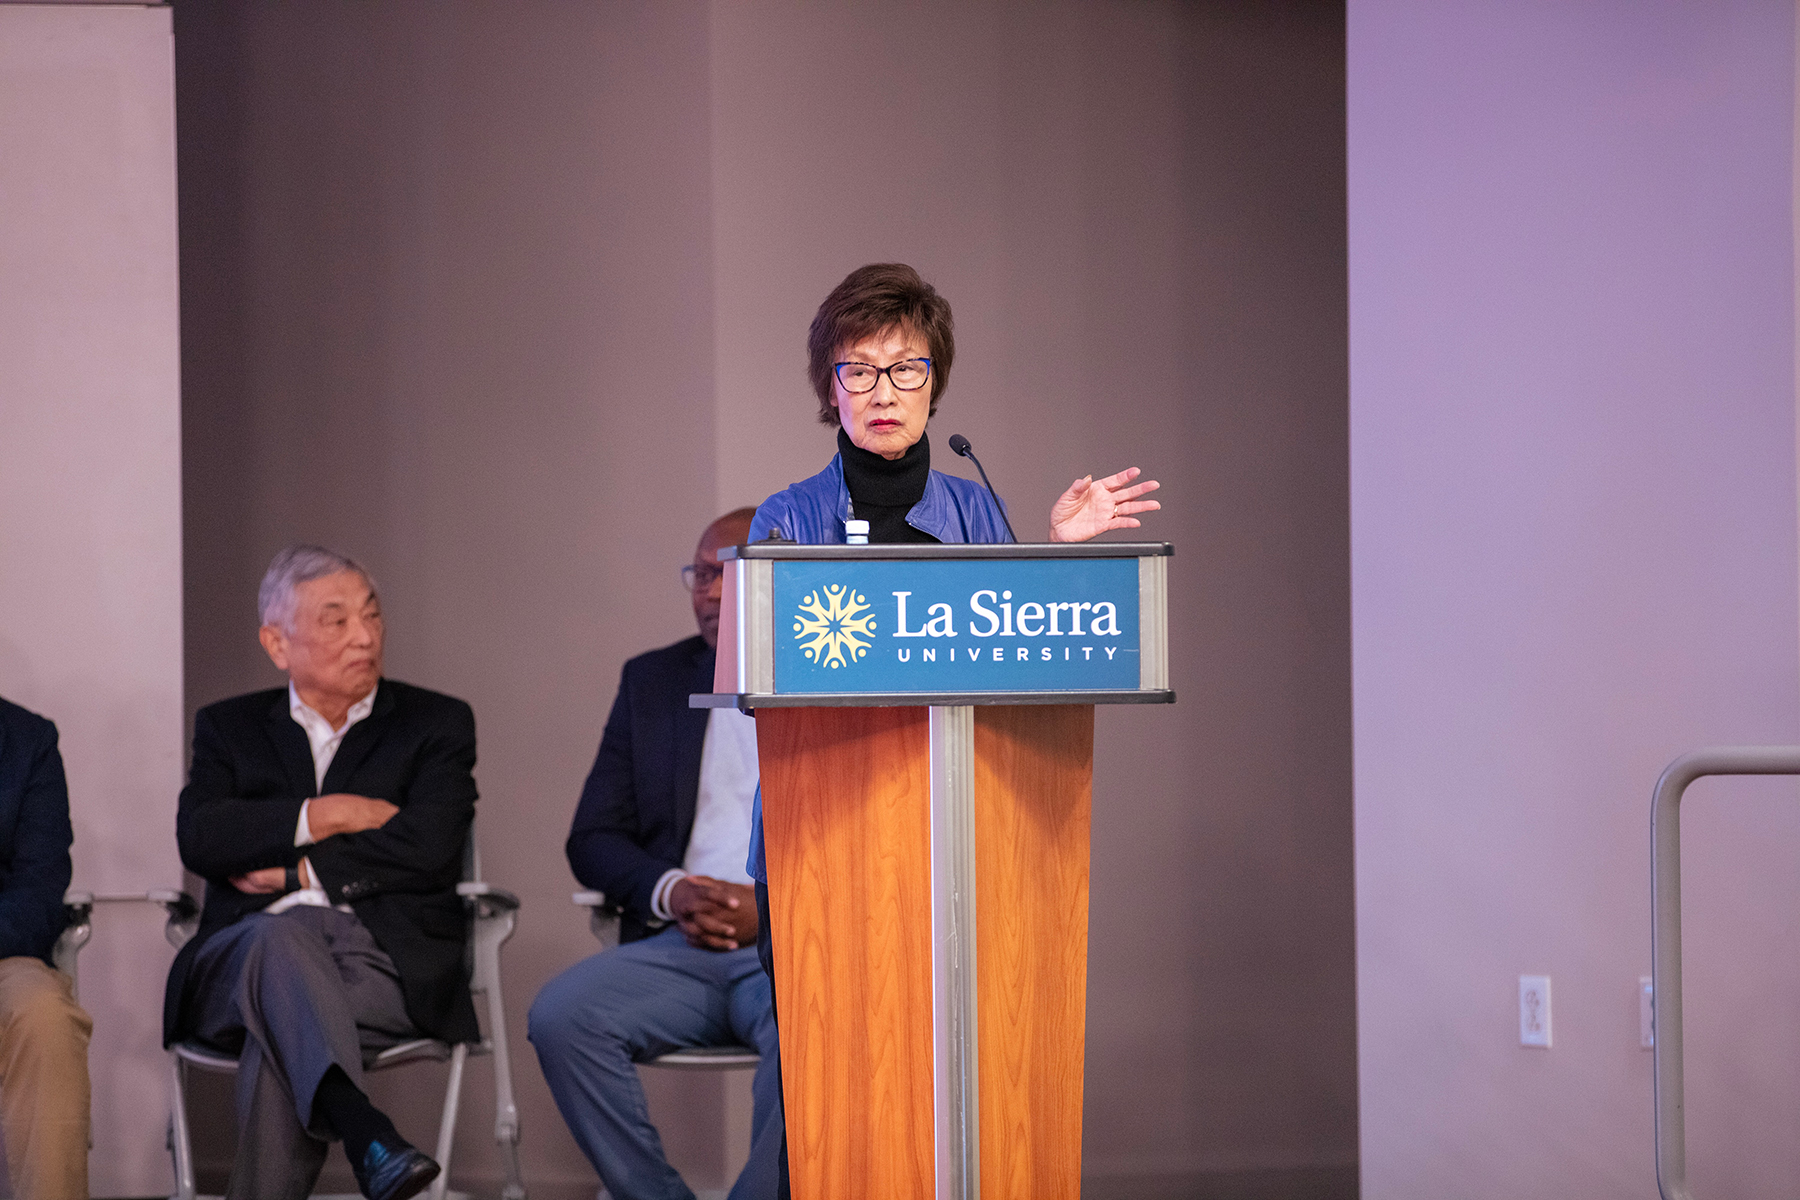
(884, 490)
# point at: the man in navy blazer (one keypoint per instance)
(328, 818)
(663, 830)
(43, 1032)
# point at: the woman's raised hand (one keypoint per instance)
(1091, 507)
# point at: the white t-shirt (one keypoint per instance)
(720, 841)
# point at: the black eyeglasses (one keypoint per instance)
(699, 578)
(908, 376)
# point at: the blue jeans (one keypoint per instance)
(643, 999)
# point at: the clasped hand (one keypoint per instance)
(713, 914)
(340, 812)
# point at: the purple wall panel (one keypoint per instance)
(1573, 515)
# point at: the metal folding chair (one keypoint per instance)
(493, 913)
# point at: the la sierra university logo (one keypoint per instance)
(831, 631)
(964, 625)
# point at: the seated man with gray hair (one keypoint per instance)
(328, 818)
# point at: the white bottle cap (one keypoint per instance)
(856, 532)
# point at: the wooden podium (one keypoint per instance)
(925, 726)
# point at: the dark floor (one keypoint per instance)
(1305, 1183)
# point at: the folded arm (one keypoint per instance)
(419, 848)
(222, 834)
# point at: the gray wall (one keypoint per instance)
(90, 496)
(510, 300)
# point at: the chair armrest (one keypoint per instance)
(496, 914)
(78, 918)
(184, 914)
(78, 927)
(496, 898)
(603, 918)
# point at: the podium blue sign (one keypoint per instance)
(936, 625)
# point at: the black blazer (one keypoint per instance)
(252, 769)
(34, 835)
(637, 808)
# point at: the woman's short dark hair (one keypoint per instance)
(871, 300)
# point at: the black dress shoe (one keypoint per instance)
(394, 1172)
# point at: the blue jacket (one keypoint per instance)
(813, 512)
(35, 835)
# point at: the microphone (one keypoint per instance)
(960, 444)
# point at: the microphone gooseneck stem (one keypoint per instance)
(961, 445)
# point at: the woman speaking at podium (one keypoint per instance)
(878, 356)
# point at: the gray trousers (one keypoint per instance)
(292, 996)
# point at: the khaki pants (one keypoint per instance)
(43, 1082)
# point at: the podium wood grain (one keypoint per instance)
(846, 819)
(847, 827)
(1034, 771)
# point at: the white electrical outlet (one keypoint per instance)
(1646, 1013)
(1534, 1010)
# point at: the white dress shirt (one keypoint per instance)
(324, 741)
(720, 841)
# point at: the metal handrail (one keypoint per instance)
(1665, 935)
